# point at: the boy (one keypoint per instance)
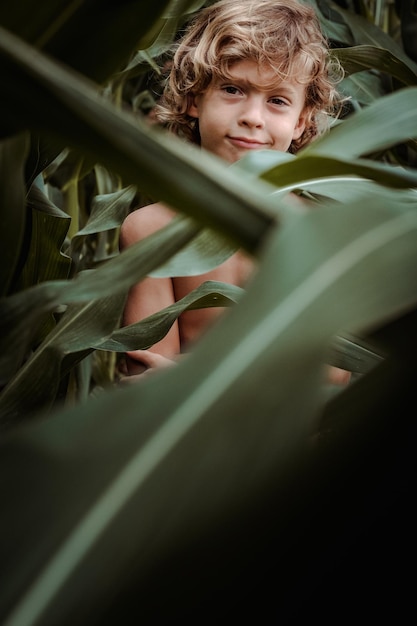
(246, 75)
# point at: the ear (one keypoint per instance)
(192, 108)
(300, 126)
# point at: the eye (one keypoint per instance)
(278, 101)
(231, 89)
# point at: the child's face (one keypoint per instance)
(244, 113)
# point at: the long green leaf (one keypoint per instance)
(344, 352)
(360, 58)
(202, 254)
(49, 227)
(88, 326)
(35, 386)
(21, 313)
(315, 166)
(70, 108)
(70, 33)
(362, 87)
(349, 268)
(148, 331)
(349, 188)
(366, 33)
(108, 211)
(361, 134)
(13, 153)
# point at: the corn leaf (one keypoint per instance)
(339, 269)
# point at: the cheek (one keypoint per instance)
(209, 122)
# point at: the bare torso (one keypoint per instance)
(236, 270)
(154, 294)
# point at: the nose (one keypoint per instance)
(252, 113)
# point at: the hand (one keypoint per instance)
(144, 363)
(337, 376)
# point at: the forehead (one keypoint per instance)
(261, 76)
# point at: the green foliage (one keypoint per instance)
(124, 482)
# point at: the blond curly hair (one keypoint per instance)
(284, 35)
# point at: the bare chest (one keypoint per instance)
(235, 271)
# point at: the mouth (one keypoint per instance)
(246, 143)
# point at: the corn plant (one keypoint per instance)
(221, 473)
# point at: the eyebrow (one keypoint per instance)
(280, 87)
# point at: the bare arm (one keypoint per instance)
(154, 294)
(151, 294)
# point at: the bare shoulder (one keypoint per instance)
(143, 222)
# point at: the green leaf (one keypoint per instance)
(36, 384)
(362, 87)
(361, 133)
(49, 227)
(348, 189)
(108, 211)
(71, 34)
(13, 153)
(21, 312)
(257, 161)
(366, 33)
(344, 352)
(70, 108)
(359, 58)
(144, 334)
(332, 23)
(176, 463)
(163, 32)
(316, 166)
(202, 254)
(44, 257)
